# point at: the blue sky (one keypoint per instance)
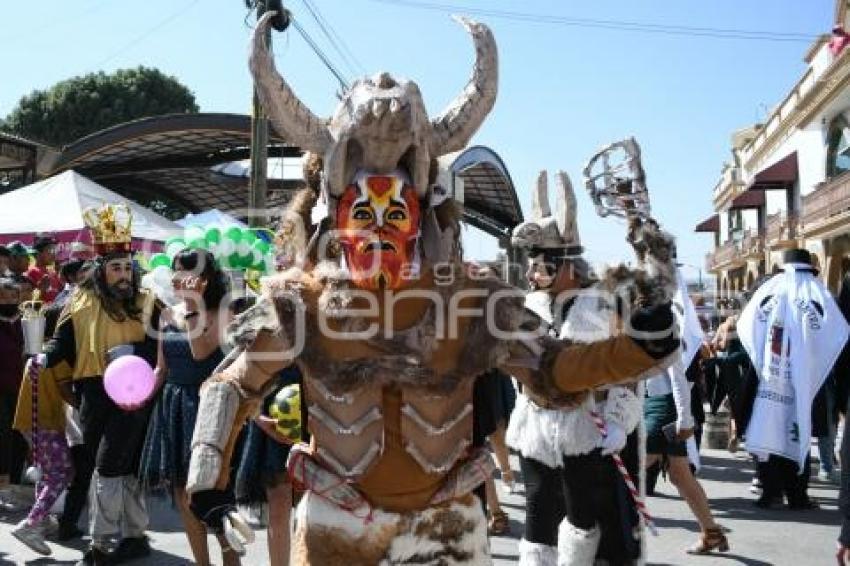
(564, 90)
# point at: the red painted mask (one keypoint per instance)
(378, 220)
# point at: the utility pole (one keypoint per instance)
(259, 145)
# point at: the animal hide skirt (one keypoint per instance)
(447, 534)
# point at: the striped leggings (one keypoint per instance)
(54, 457)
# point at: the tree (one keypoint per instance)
(79, 106)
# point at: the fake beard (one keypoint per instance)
(378, 219)
(121, 292)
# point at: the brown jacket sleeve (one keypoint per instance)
(566, 370)
(580, 367)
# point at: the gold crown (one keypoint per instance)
(110, 227)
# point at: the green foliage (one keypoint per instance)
(79, 106)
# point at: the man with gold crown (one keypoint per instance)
(108, 316)
(391, 337)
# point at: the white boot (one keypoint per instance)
(536, 554)
(32, 536)
(577, 547)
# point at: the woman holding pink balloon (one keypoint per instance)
(189, 351)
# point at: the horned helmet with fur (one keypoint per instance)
(377, 150)
(549, 238)
(547, 230)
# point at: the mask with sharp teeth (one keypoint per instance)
(378, 221)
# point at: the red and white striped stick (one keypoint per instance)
(627, 477)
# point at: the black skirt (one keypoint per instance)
(262, 462)
(493, 400)
(168, 445)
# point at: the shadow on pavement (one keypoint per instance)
(743, 508)
(718, 469)
(721, 556)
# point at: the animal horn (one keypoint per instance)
(290, 117)
(540, 198)
(453, 128)
(567, 212)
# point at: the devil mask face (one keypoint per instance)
(378, 220)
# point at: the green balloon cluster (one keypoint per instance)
(233, 247)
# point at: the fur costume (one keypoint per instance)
(389, 361)
(568, 437)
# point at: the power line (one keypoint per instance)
(334, 38)
(140, 38)
(59, 22)
(321, 54)
(620, 25)
(339, 38)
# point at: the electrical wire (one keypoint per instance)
(335, 39)
(619, 25)
(252, 4)
(144, 35)
(320, 54)
(30, 32)
(339, 38)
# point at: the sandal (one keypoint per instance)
(711, 539)
(509, 482)
(732, 445)
(499, 524)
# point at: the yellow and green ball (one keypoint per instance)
(286, 410)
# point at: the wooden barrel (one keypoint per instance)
(715, 432)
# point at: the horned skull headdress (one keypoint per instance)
(548, 230)
(381, 123)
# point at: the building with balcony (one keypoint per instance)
(787, 183)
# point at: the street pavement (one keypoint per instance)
(757, 537)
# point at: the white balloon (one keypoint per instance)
(227, 247)
(158, 282)
(174, 248)
(256, 257)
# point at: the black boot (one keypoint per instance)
(68, 531)
(131, 548)
(95, 556)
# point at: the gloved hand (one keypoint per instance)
(615, 441)
(654, 329)
(237, 531)
(217, 510)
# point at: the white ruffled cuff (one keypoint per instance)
(623, 408)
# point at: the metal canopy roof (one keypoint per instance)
(169, 158)
(18, 159)
(489, 197)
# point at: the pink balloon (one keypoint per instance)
(129, 380)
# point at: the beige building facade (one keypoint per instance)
(787, 183)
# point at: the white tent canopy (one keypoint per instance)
(56, 205)
(214, 216)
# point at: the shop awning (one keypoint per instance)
(753, 198)
(777, 176)
(711, 224)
